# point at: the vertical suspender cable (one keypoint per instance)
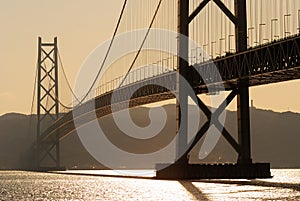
(142, 44)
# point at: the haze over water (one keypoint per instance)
(17, 185)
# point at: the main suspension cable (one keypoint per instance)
(65, 76)
(106, 55)
(33, 97)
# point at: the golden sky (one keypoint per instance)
(80, 27)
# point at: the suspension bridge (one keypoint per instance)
(241, 44)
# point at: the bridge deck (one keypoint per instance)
(275, 62)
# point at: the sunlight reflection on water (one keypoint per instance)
(17, 185)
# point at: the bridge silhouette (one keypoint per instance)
(252, 63)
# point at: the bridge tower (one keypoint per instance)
(47, 153)
(243, 87)
(244, 168)
(182, 73)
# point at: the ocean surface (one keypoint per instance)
(19, 185)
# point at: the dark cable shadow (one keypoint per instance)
(100, 175)
(196, 192)
(255, 183)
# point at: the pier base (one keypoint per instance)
(214, 171)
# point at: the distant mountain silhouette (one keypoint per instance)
(275, 139)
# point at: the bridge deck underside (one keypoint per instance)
(256, 80)
(276, 62)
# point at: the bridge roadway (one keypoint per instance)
(270, 63)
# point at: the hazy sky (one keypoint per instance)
(80, 26)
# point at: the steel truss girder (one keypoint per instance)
(276, 56)
(151, 90)
(44, 149)
(225, 66)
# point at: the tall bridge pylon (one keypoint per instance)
(47, 153)
(244, 168)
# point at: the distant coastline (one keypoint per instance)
(275, 139)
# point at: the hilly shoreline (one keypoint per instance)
(275, 138)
